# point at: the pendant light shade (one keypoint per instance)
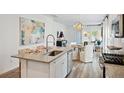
(78, 26)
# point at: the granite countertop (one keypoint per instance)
(114, 47)
(40, 57)
(108, 50)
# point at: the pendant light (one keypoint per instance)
(78, 26)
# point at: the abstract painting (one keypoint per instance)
(31, 31)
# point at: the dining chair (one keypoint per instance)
(87, 54)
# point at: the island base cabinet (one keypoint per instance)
(58, 68)
(54, 69)
(31, 69)
(38, 69)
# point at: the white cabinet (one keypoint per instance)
(55, 69)
(33, 69)
(58, 68)
(59, 73)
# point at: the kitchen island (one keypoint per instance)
(57, 63)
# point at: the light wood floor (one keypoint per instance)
(86, 70)
(11, 74)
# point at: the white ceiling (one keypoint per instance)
(85, 19)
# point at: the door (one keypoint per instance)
(59, 72)
(58, 68)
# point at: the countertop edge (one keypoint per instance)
(64, 51)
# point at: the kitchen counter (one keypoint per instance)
(40, 57)
(44, 65)
(115, 51)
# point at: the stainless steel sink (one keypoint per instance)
(54, 53)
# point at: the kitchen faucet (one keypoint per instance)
(50, 35)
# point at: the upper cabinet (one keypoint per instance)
(117, 26)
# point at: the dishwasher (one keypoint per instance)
(69, 63)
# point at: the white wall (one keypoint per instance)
(9, 37)
(58, 27)
(71, 35)
(8, 41)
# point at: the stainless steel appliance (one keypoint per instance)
(61, 43)
(70, 63)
